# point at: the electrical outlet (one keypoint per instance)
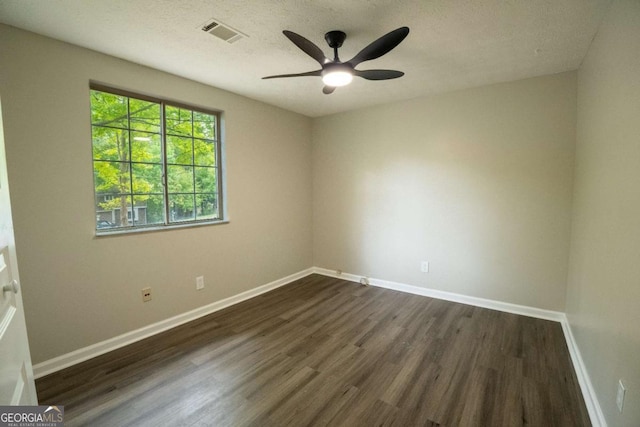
(424, 266)
(200, 282)
(620, 395)
(364, 281)
(146, 295)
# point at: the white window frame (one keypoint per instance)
(168, 223)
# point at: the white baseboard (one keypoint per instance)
(588, 392)
(590, 398)
(450, 296)
(86, 353)
(52, 365)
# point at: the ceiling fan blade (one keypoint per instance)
(309, 73)
(306, 46)
(381, 46)
(378, 74)
(328, 90)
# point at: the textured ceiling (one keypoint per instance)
(453, 44)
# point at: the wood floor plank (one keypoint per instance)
(323, 351)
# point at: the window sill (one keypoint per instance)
(122, 232)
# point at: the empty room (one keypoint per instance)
(309, 213)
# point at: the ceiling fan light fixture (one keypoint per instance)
(337, 75)
(337, 78)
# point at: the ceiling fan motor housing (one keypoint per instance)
(335, 38)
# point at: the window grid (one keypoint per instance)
(205, 204)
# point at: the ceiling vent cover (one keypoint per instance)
(222, 31)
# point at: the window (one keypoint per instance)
(155, 163)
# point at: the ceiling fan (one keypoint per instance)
(336, 73)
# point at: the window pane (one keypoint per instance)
(205, 152)
(145, 115)
(146, 147)
(110, 144)
(150, 208)
(181, 207)
(147, 178)
(111, 177)
(207, 206)
(180, 179)
(178, 121)
(179, 150)
(108, 208)
(204, 125)
(104, 211)
(109, 110)
(205, 180)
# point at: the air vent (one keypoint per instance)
(222, 31)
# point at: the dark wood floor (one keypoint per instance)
(323, 351)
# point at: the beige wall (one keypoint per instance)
(477, 182)
(79, 290)
(604, 279)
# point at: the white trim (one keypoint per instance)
(591, 401)
(524, 310)
(52, 365)
(588, 392)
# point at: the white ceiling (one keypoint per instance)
(453, 44)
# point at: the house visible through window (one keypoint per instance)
(155, 163)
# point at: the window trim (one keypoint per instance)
(220, 165)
